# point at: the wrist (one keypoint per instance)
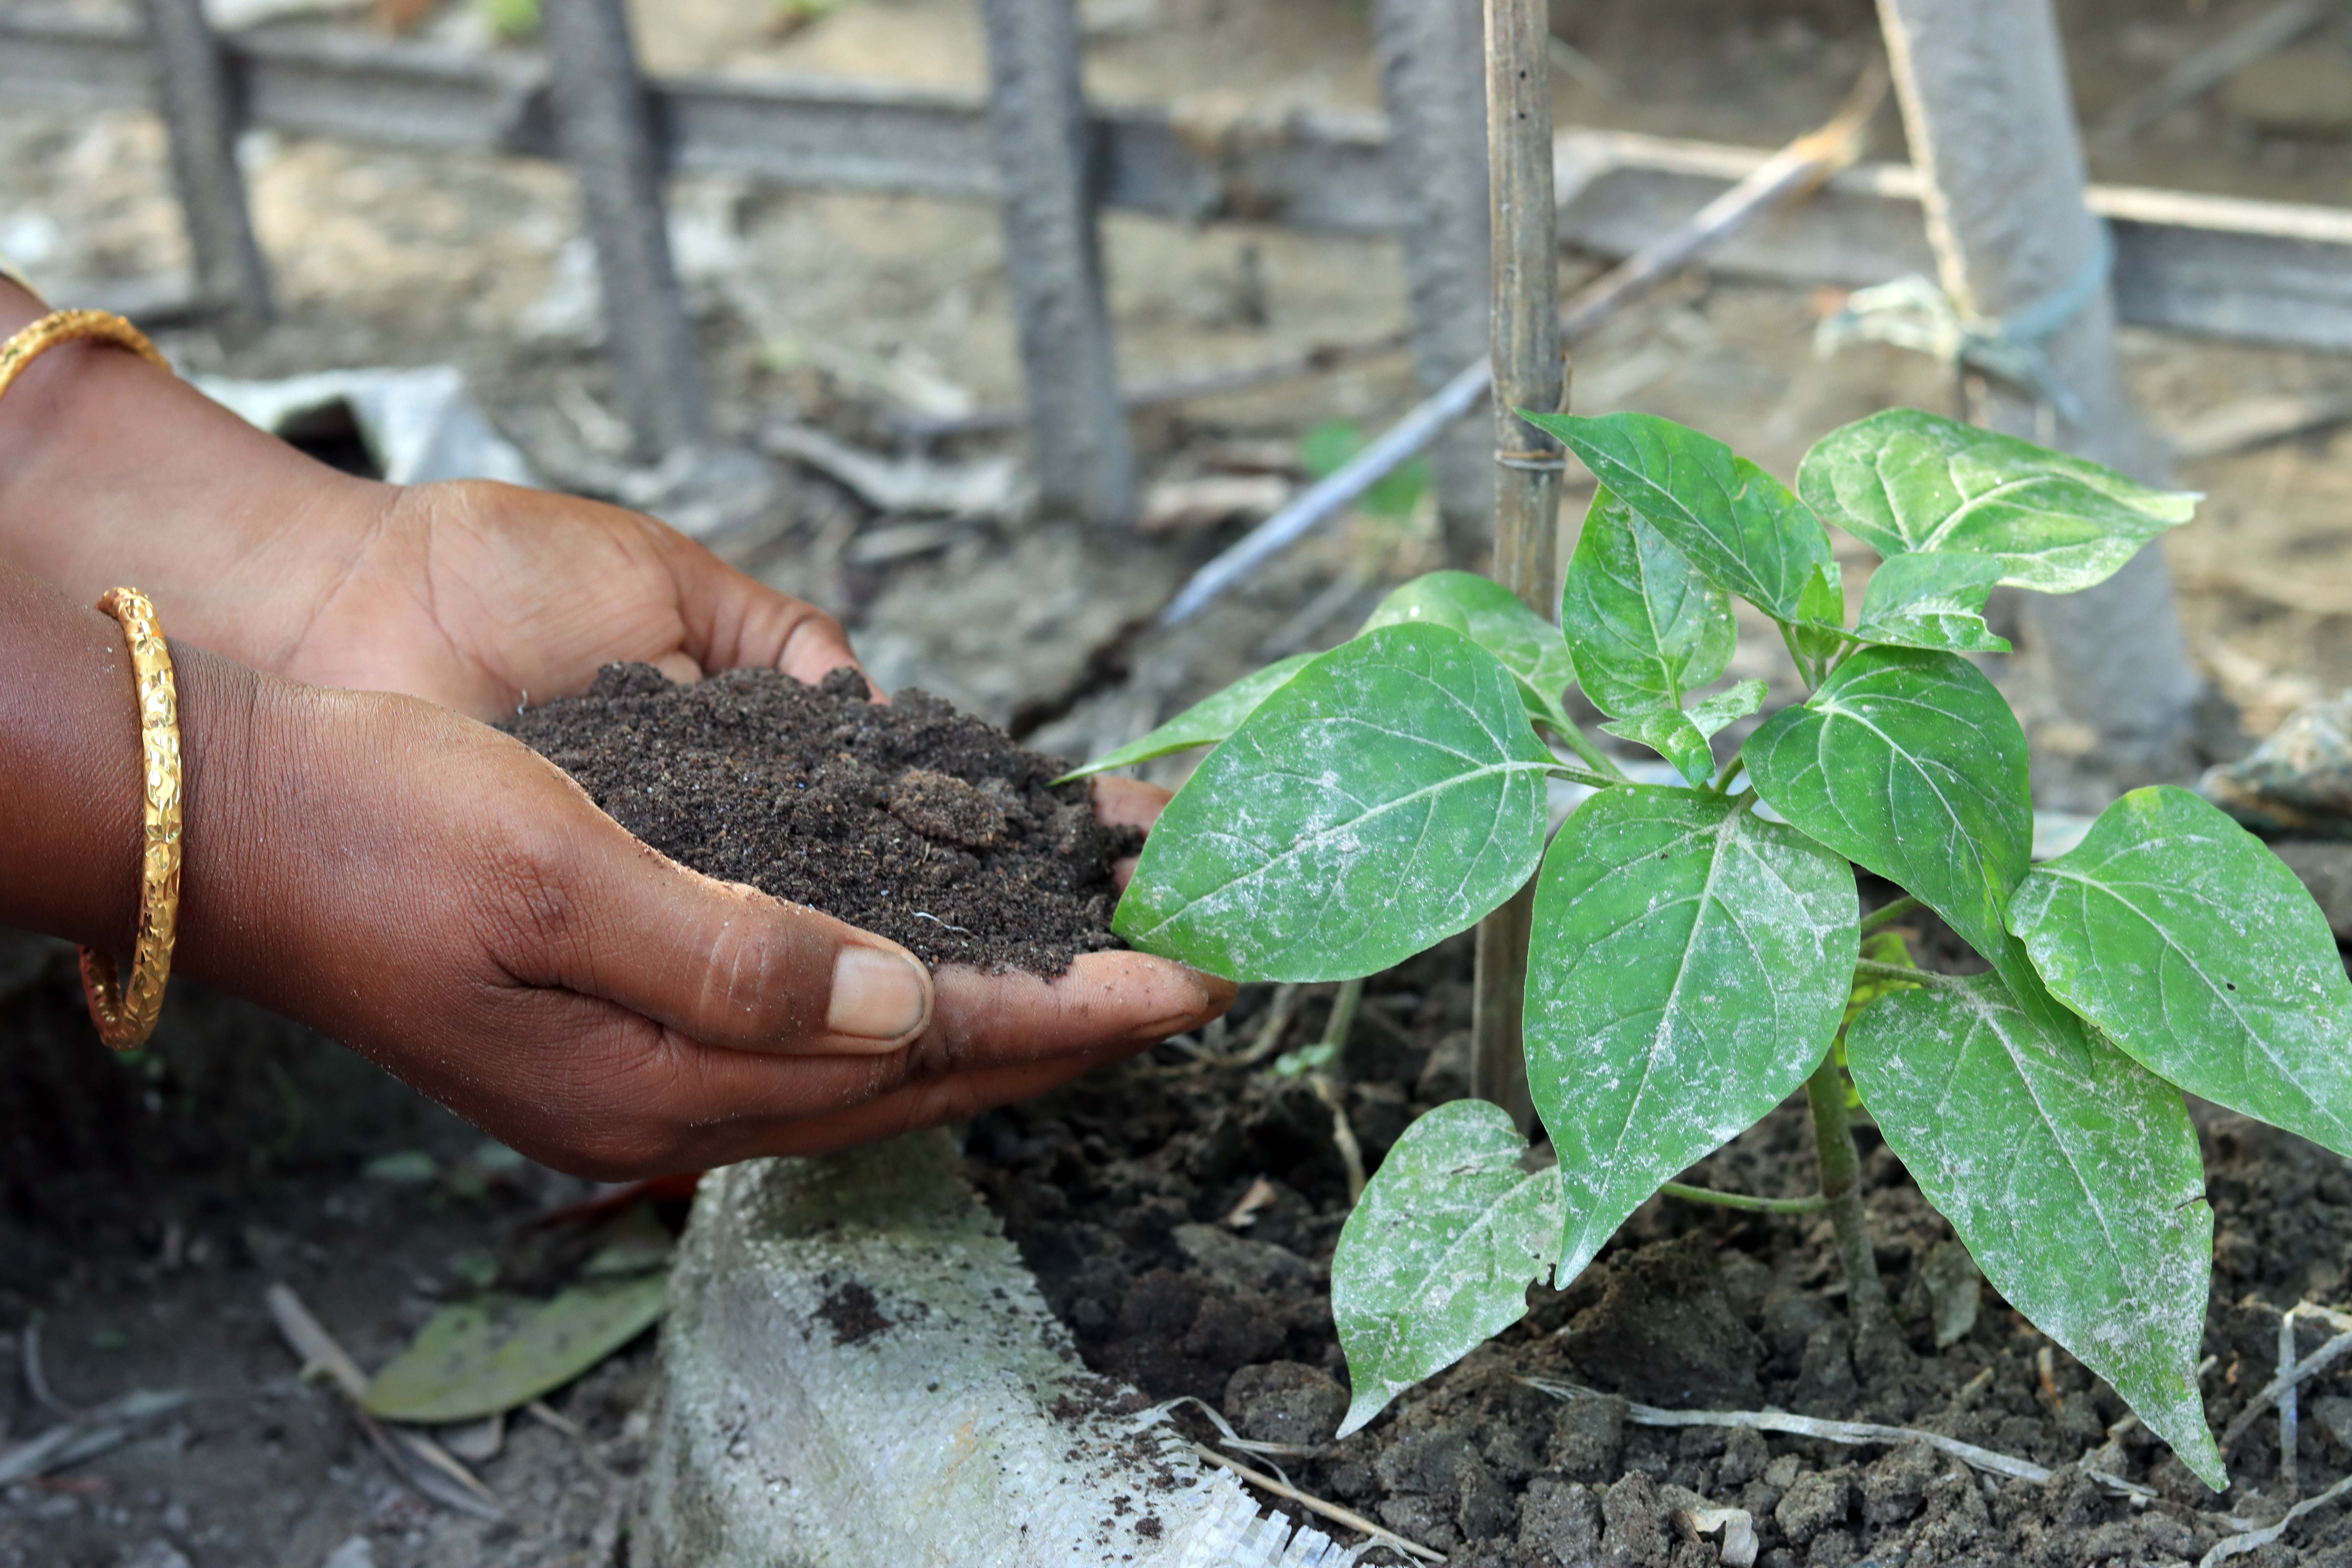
(112, 470)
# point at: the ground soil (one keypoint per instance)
(905, 818)
(1122, 1192)
(147, 1203)
(247, 1137)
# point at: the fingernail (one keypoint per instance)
(877, 995)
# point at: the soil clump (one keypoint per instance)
(1181, 1210)
(910, 819)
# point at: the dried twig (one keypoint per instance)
(2255, 1540)
(1330, 1510)
(37, 1381)
(2207, 69)
(1794, 171)
(549, 1417)
(2268, 1395)
(1857, 1432)
(1269, 1033)
(2288, 1403)
(415, 1459)
(86, 1435)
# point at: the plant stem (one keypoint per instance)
(1840, 1165)
(1329, 1083)
(1691, 1195)
(1878, 919)
(1557, 720)
(1584, 776)
(1350, 995)
(1730, 775)
(1804, 670)
(1871, 968)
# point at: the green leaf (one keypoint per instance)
(1490, 615)
(1439, 1254)
(1669, 733)
(1739, 526)
(1909, 763)
(1906, 482)
(1820, 627)
(1681, 737)
(479, 1357)
(1204, 723)
(1389, 796)
(1734, 702)
(1688, 967)
(1642, 626)
(2174, 930)
(1934, 601)
(2070, 1173)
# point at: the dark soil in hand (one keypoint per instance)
(910, 820)
(1181, 1212)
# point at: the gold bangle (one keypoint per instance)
(72, 326)
(125, 1014)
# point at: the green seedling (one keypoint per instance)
(1697, 952)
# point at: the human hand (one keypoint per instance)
(484, 596)
(479, 596)
(451, 905)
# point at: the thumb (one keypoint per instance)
(728, 966)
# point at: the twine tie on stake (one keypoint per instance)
(1916, 313)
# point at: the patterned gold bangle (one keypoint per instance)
(125, 1012)
(72, 326)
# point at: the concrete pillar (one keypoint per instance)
(1991, 126)
(1431, 81)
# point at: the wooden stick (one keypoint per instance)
(413, 1456)
(1529, 372)
(1330, 1510)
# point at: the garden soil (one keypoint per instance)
(145, 1205)
(907, 818)
(1182, 1212)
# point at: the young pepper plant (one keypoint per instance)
(1697, 952)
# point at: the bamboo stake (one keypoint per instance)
(1529, 372)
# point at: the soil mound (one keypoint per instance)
(911, 820)
(1180, 1211)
